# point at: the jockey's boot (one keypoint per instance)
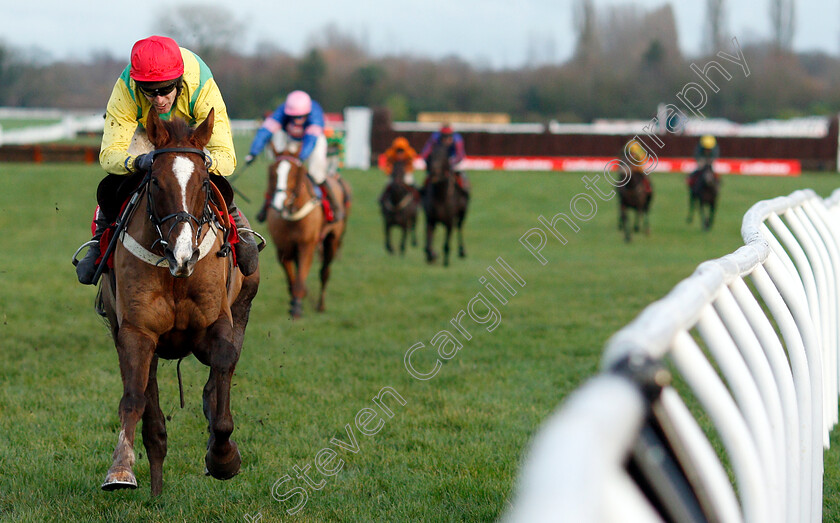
(86, 269)
(247, 251)
(336, 207)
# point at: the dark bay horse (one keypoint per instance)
(298, 226)
(634, 195)
(399, 203)
(443, 202)
(172, 292)
(703, 191)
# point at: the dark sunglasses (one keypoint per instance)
(160, 91)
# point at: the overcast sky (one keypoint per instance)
(490, 33)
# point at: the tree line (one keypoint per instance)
(626, 61)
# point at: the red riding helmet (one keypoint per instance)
(156, 59)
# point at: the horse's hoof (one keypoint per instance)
(223, 467)
(118, 479)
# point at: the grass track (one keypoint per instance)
(451, 453)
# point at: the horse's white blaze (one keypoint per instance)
(183, 248)
(283, 169)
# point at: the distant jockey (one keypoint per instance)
(636, 158)
(455, 143)
(300, 120)
(706, 152)
(401, 151)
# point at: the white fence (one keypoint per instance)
(740, 357)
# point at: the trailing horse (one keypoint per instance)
(636, 194)
(399, 202)
(703, 188)
(298, 225)
(174, 291)
(443, 202)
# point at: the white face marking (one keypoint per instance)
(282, 181)
(183, 248)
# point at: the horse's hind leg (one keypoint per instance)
(330, 248)
(222, 458)
(403, 239)
(154, 431)
(135, 351)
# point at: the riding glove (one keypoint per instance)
(143, 162)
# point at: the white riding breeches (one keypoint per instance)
(316, 164)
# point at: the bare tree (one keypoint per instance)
(715, 25)
(782, 17)
(585, 20)
(205, 29)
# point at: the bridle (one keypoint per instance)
(180, 216)
(288, 212)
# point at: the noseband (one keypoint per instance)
(181, 216)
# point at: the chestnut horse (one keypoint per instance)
(634, 195)
(399, 203)
(443, 203)
(298, 226)
(172, 292)
(703, 190)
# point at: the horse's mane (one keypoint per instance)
(178, 129)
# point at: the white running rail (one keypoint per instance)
(734, 374)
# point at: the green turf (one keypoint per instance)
(451, 453)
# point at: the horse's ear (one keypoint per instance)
(201, 135)
(155, 130)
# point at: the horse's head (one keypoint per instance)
(398, 170)
(179, 188)
(288, 174)
(438, 164)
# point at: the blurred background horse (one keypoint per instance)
(443, 203)
(298, 225)
(703, 187)
(399, 203)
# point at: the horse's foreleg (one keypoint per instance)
(135, 351)
(154, 431)
(305, 256)
(430, 231)
(624, 223)
(446, 245)
(222, 459)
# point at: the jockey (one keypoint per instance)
(299, 119)
(172, 81)
(636, 161)
(706, 152)
(401, 151)
(455, 142)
